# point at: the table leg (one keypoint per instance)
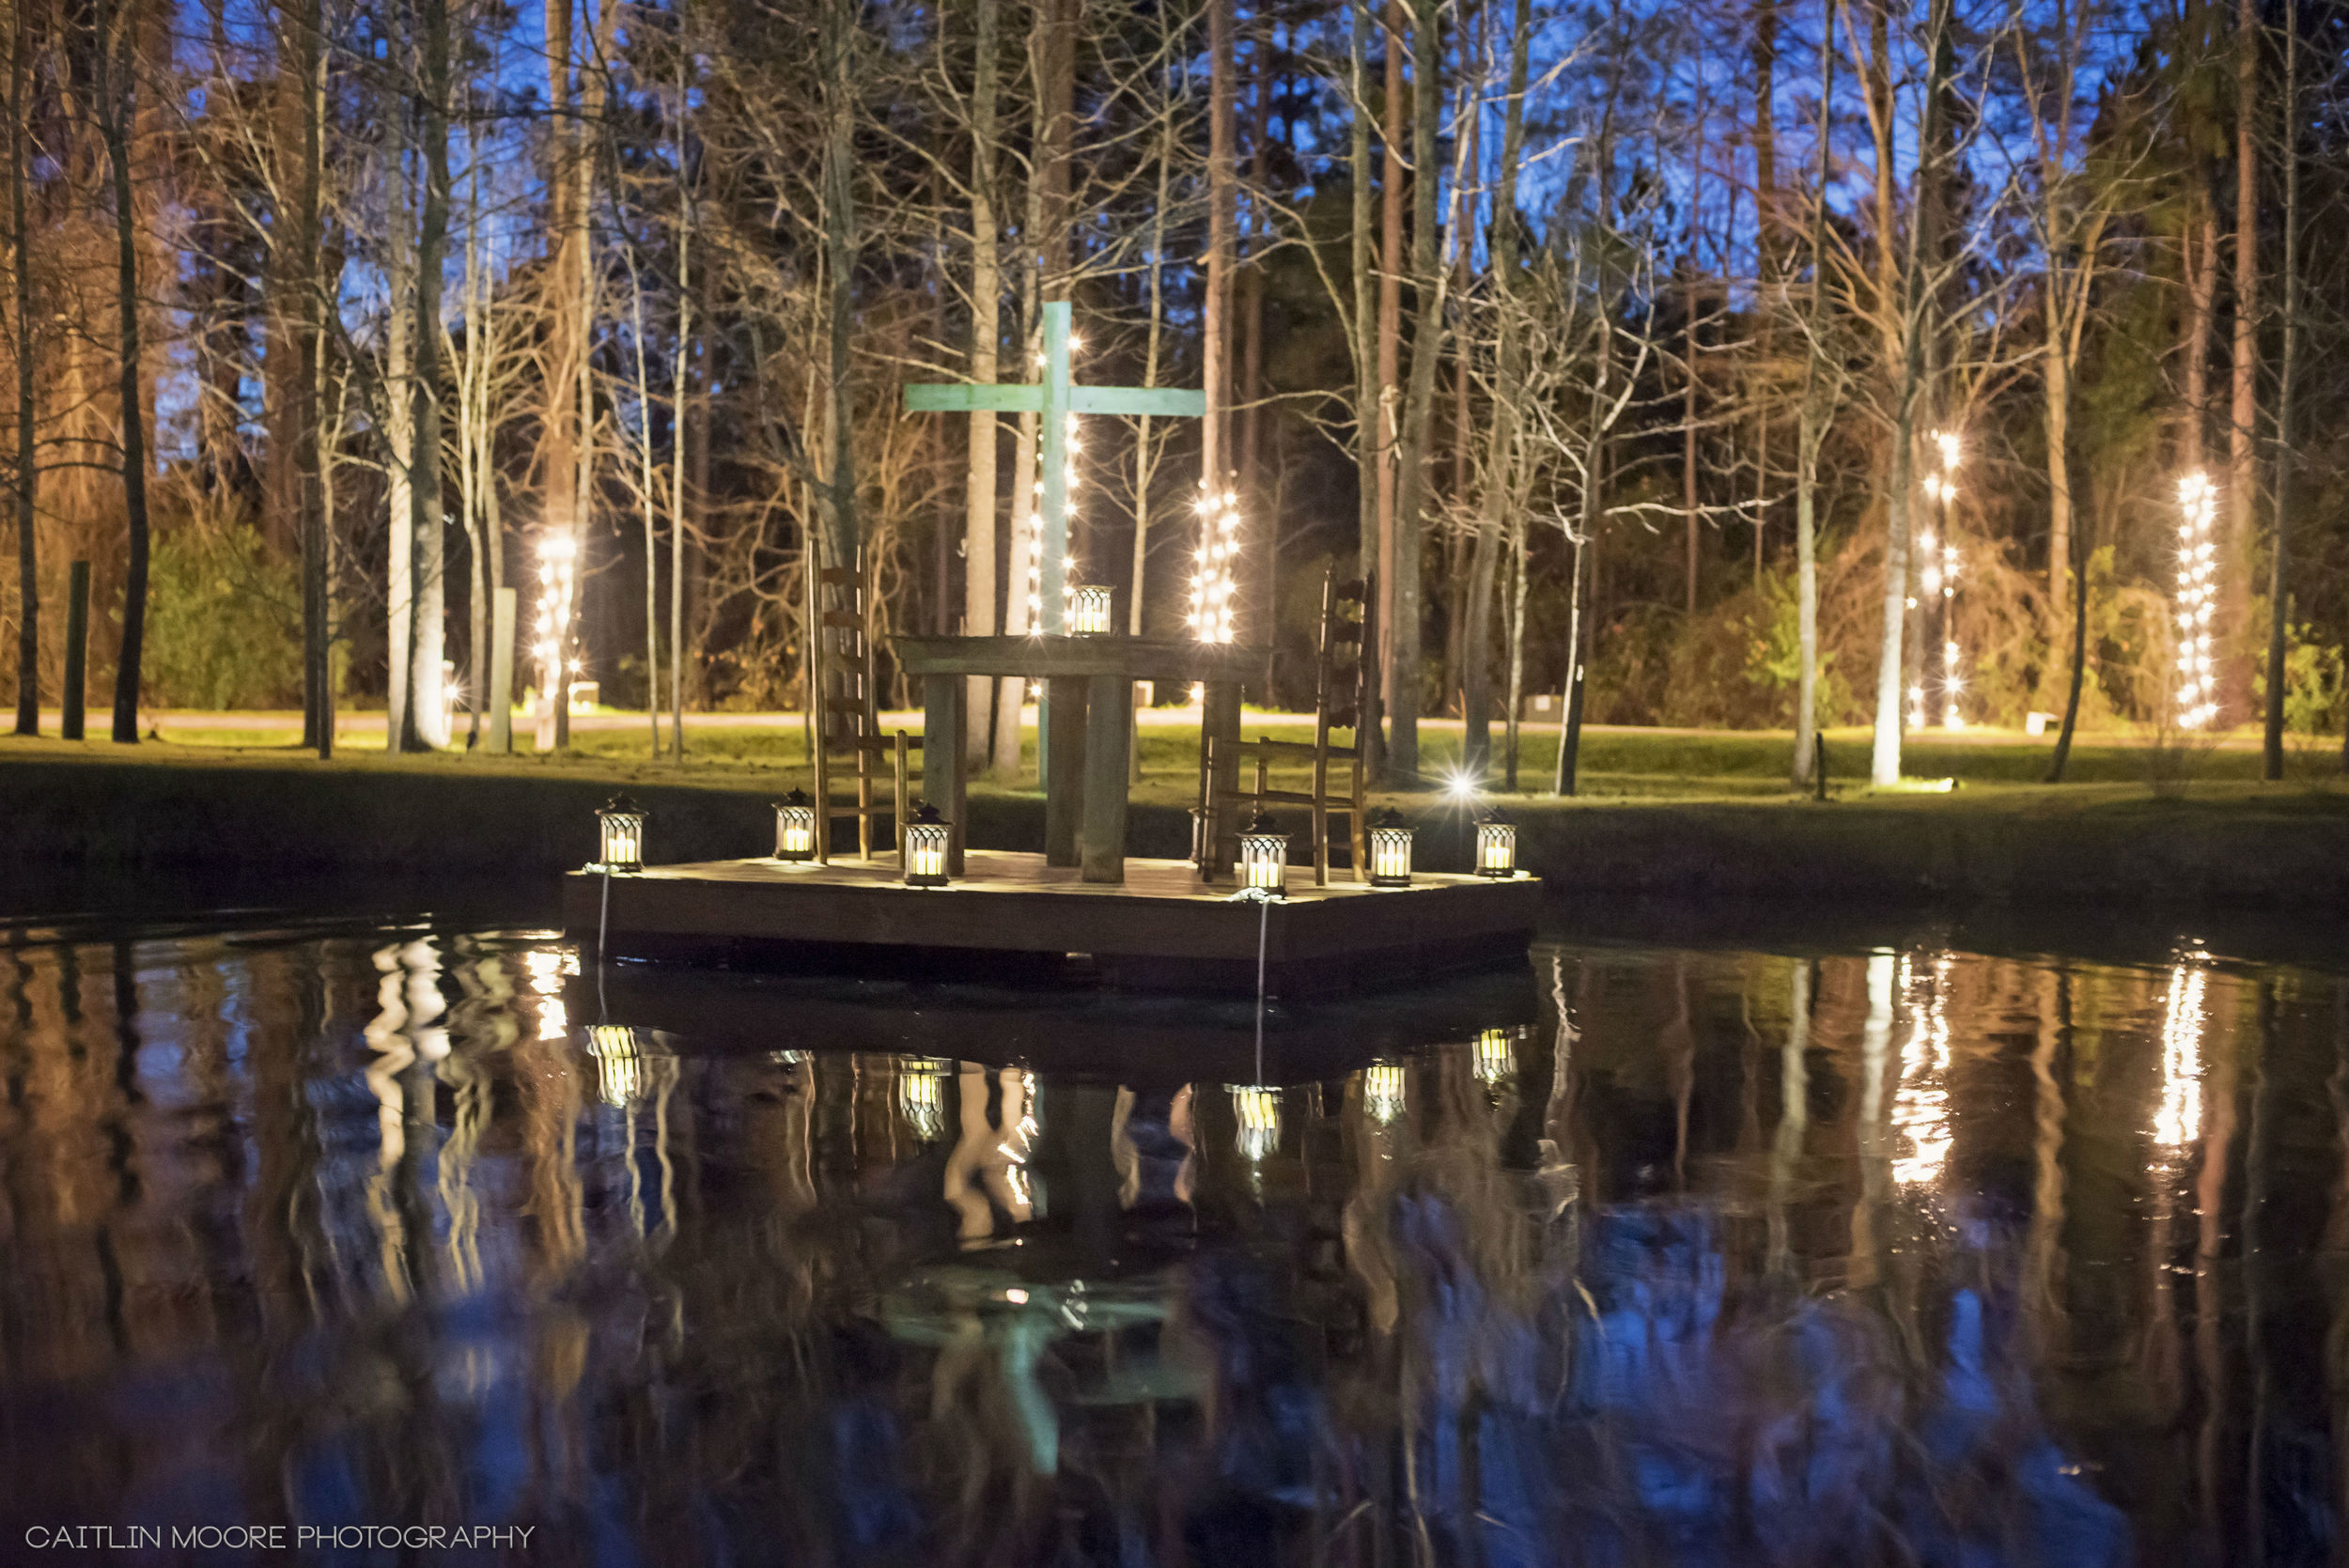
(1108, 717)
(1063, 719)
(944, 768)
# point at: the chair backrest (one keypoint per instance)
(1346, 664)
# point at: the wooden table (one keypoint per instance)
(1089, 684)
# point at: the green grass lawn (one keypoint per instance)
(1615, 763)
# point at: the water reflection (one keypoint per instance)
(1909, 1255)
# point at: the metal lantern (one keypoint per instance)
(1089, 610)
(1496, 845)
(926, 842)
(922, 1095)
(1384, 1091)
(621, 835)
(1389, 850)
(1264, 857)
(795, 827)
(1495, 1055)
(1256, 1111)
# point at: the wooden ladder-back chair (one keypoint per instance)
(849, 712)
(1344, 668)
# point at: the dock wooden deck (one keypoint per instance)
(1010, 914)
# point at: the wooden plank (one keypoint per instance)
(973, 397)
(1044, 657)
(1109, 713)
(1166, 402)
(1061, 731)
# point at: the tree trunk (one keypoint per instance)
(114, 61)
(840, 245)
(1216, 327)
(1693, 303)
(2235, 555)
(1914, 321)
(1145, 461)
(680, 418)
(645, 490)
(1369, 460)
(1390, 266)
(1807, 436)
(2287, 376)
(2202, 287)
(27, 449)
(427, 705)
(561, 440)
(1429, 279)
(979, 549)
(1500, 450)
(399, 416)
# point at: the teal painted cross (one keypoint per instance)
(1054, 399)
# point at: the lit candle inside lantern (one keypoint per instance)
(1264, 857)
(1496, 844)
(621, 833)
(795, 827)
(1389, 850)
(926, 842)
(1089, 610)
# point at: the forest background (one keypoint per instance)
(1764, 363)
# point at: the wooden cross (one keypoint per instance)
(1054, 399)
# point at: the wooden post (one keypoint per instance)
(1052, 435)
(1063, 768)
(76, 649)
(945, 766)
(1220, 724)
(1108, 722)
(502, 672)
(897, 823)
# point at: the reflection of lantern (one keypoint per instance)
(795, 827)
(1264, 857)
(1383, 1091)
(1496, 1054)
(1496, 845)
(1389, 850)
(619, 1066)
(922, 1095)
(1089, 610)
(622, 834)
(1256, 1110)
(926, 839)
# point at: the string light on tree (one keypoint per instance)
(2198, 565)
(1211, 582)
(558, 579)
(1937, 577)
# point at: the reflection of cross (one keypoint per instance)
(1055, 399)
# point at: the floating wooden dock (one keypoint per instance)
(1012, 917)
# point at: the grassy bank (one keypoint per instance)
(2220, 842)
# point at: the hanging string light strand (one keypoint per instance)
(2198, 562)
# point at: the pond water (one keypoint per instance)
(1891, 1250)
